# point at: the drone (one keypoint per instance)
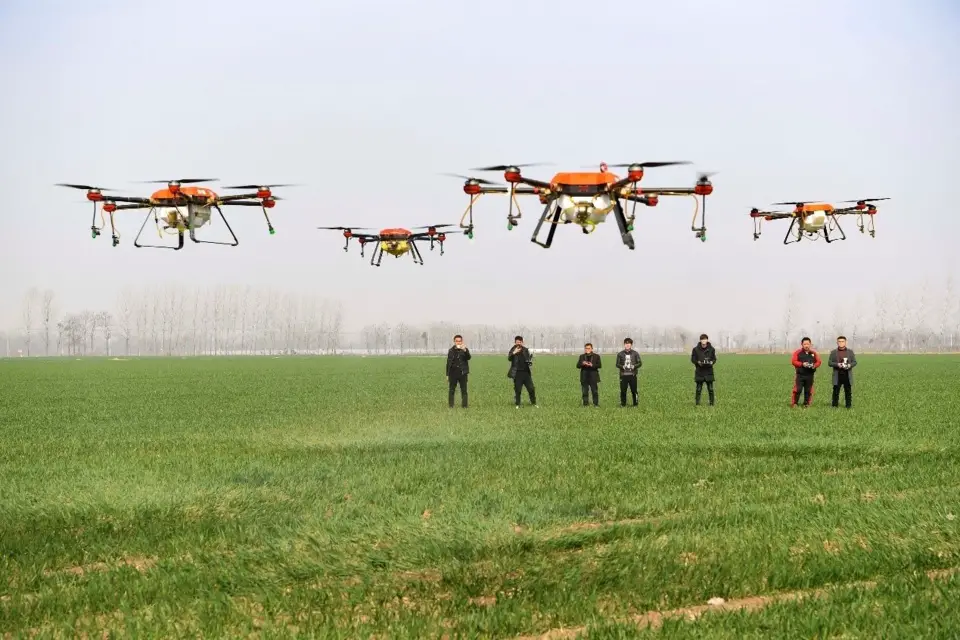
(177, 208)
(396, 241)
(818, 219)
(584, 198)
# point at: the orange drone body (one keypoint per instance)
(591, 178)
(174, 192)
(810, 208)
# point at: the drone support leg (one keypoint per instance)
(113, 231)
(266, 217)
(415, 252)
(826, 232)
(756, 228)
(787, 238)
(222, 217)
(377, 255)
(512, 219)
(136, 241)
(625, 233)
(468, 213)
(553, 225)
(701, 231)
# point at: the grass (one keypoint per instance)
(340, 497)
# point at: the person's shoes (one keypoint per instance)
(518, 406)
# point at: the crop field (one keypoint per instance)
(341, 497)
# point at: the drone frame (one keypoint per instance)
(432, 234)
(864, 211)
(625, 189)
(262, 197)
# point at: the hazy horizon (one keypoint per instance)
(366, 103)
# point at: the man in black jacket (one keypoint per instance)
(628, 363)
(589, 365)
(703, 357)
(458, 368)
(842, 360)
(521, 363)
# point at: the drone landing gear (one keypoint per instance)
(136, 241)
(788, 238)
(826, 232)
(232, 234)
(553, 225)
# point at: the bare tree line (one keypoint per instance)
(244, 320)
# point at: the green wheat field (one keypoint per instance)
(339, 497)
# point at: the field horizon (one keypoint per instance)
(339, 496)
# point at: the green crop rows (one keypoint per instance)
(340, 497)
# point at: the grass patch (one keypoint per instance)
(341, 497)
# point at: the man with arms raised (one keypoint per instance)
(842, 361)
(521, 363)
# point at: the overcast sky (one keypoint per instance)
(366, 102)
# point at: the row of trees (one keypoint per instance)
(247, 320)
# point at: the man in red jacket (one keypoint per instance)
(806, 361)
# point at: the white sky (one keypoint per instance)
(367, 102)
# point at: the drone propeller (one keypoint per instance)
(705, 175)
(434, 226)
(345, 228)
(645, 165)
(795, 203)
(179, 181)
(260, 186)
(471, 179)
(84, 187)
(865, 200)
(506, 167)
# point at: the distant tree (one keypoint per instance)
(29, 310)
(46, 316)
(104, 320)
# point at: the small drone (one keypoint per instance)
(396, 241)
(177, 208)
(584, 198)
(813, 220)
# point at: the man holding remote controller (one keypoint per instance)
(842, 361)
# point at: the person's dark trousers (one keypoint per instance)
(625, 382)
(521, 380)
(804, 384)
(709, 384)
(460, 380)
(844, 383)
(588, 389)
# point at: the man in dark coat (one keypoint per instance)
(521, 363)
(842, 360)
(703, 357)
(806, 361)
(589, 365)
(628, 363)
(458, 368)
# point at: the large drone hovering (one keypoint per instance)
(177, 208)
(584, 198)
(815, 220)
(396, 241)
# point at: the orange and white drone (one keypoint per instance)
(397, 241)
(177, 208)
(584, 198)
(818, 219)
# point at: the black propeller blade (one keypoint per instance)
(504, 167)
(471, 179)
(179, 181)
(647, 165)
(865, 200)
(84, 187)
(259, 186)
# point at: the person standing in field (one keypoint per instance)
(458, 368)
(806, 361)
(703, 357)
(521, 365)
(589, 365)
(628, 363)
(842, 360)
